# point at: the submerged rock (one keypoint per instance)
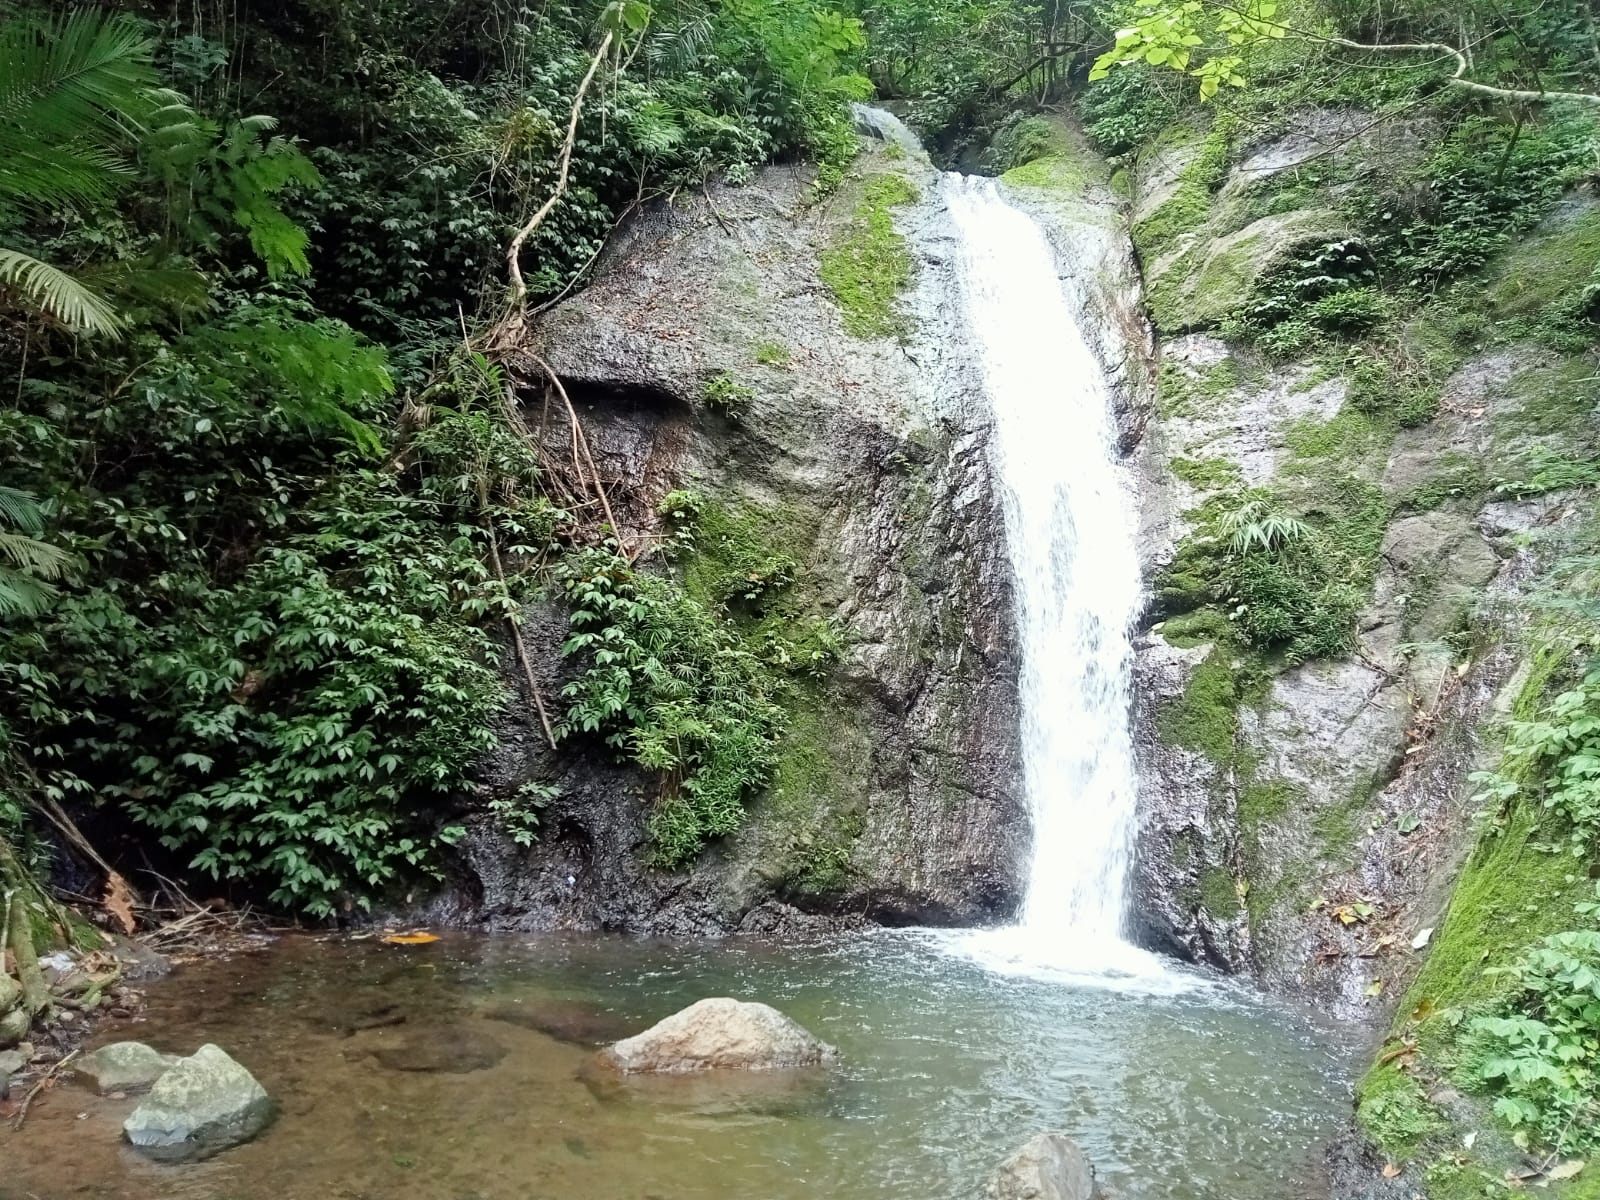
(201, 1106)
(719, 1034)
(571, 1021)
(1049, 1167)
(449, 1051)
(126, 1067)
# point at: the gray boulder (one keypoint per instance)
(129, 1067)
(14, 1026)
(719, 1034)
(1049, 1167)
(203, 1105)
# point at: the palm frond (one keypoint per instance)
(74, 92)
(680, 49)
(23, 595)
(179, 288)
(27, 586)
(38, 559)
(20, 510)
(57, 294)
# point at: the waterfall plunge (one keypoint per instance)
(1070, 525)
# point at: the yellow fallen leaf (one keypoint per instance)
(415, 938)
(1391, 1170)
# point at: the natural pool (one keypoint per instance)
(1208, 1094)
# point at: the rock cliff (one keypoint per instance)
(861, 459)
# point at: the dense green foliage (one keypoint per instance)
(287, 515)
(678, 689)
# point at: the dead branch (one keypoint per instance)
(44, 1080)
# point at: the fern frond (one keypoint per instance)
(57, 294)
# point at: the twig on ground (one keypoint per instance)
(27, 1101)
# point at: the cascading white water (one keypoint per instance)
(1070, 525)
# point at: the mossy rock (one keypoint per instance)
(869, 264)
(1197, 288)
(1549, 267)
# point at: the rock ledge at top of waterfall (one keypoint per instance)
(719, 1034)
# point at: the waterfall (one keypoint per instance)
(1070, 526)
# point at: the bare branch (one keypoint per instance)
(519, 287)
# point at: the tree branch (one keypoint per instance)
(1458, 76)
(519, 287)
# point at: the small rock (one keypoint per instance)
(126, 1067)
(451, 1051)
(203, 1105)
(1048, 1167)
(12, 1061)
(719, 1034)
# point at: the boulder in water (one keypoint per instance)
(1049, 1167)
(201, 1106)
(126, 1067)
(719, 1034)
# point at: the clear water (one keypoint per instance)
(1070, 524)
(947, 1067)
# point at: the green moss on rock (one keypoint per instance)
(1189, 206)
(1208, 474)
(815, 810)
(1205, 718)
(870, 264)
(1211, 281)
(1547, 270)
(1219, 893)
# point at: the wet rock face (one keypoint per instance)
(719, 1034)
(201, 1106)
(1301, 821)
(899, 794)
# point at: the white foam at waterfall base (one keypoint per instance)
(1070, 526)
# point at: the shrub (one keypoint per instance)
(1540, 1056)
(675, 688)
(727, 396)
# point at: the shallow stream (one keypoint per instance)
(441, 1072)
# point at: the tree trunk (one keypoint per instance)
(20, 900)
